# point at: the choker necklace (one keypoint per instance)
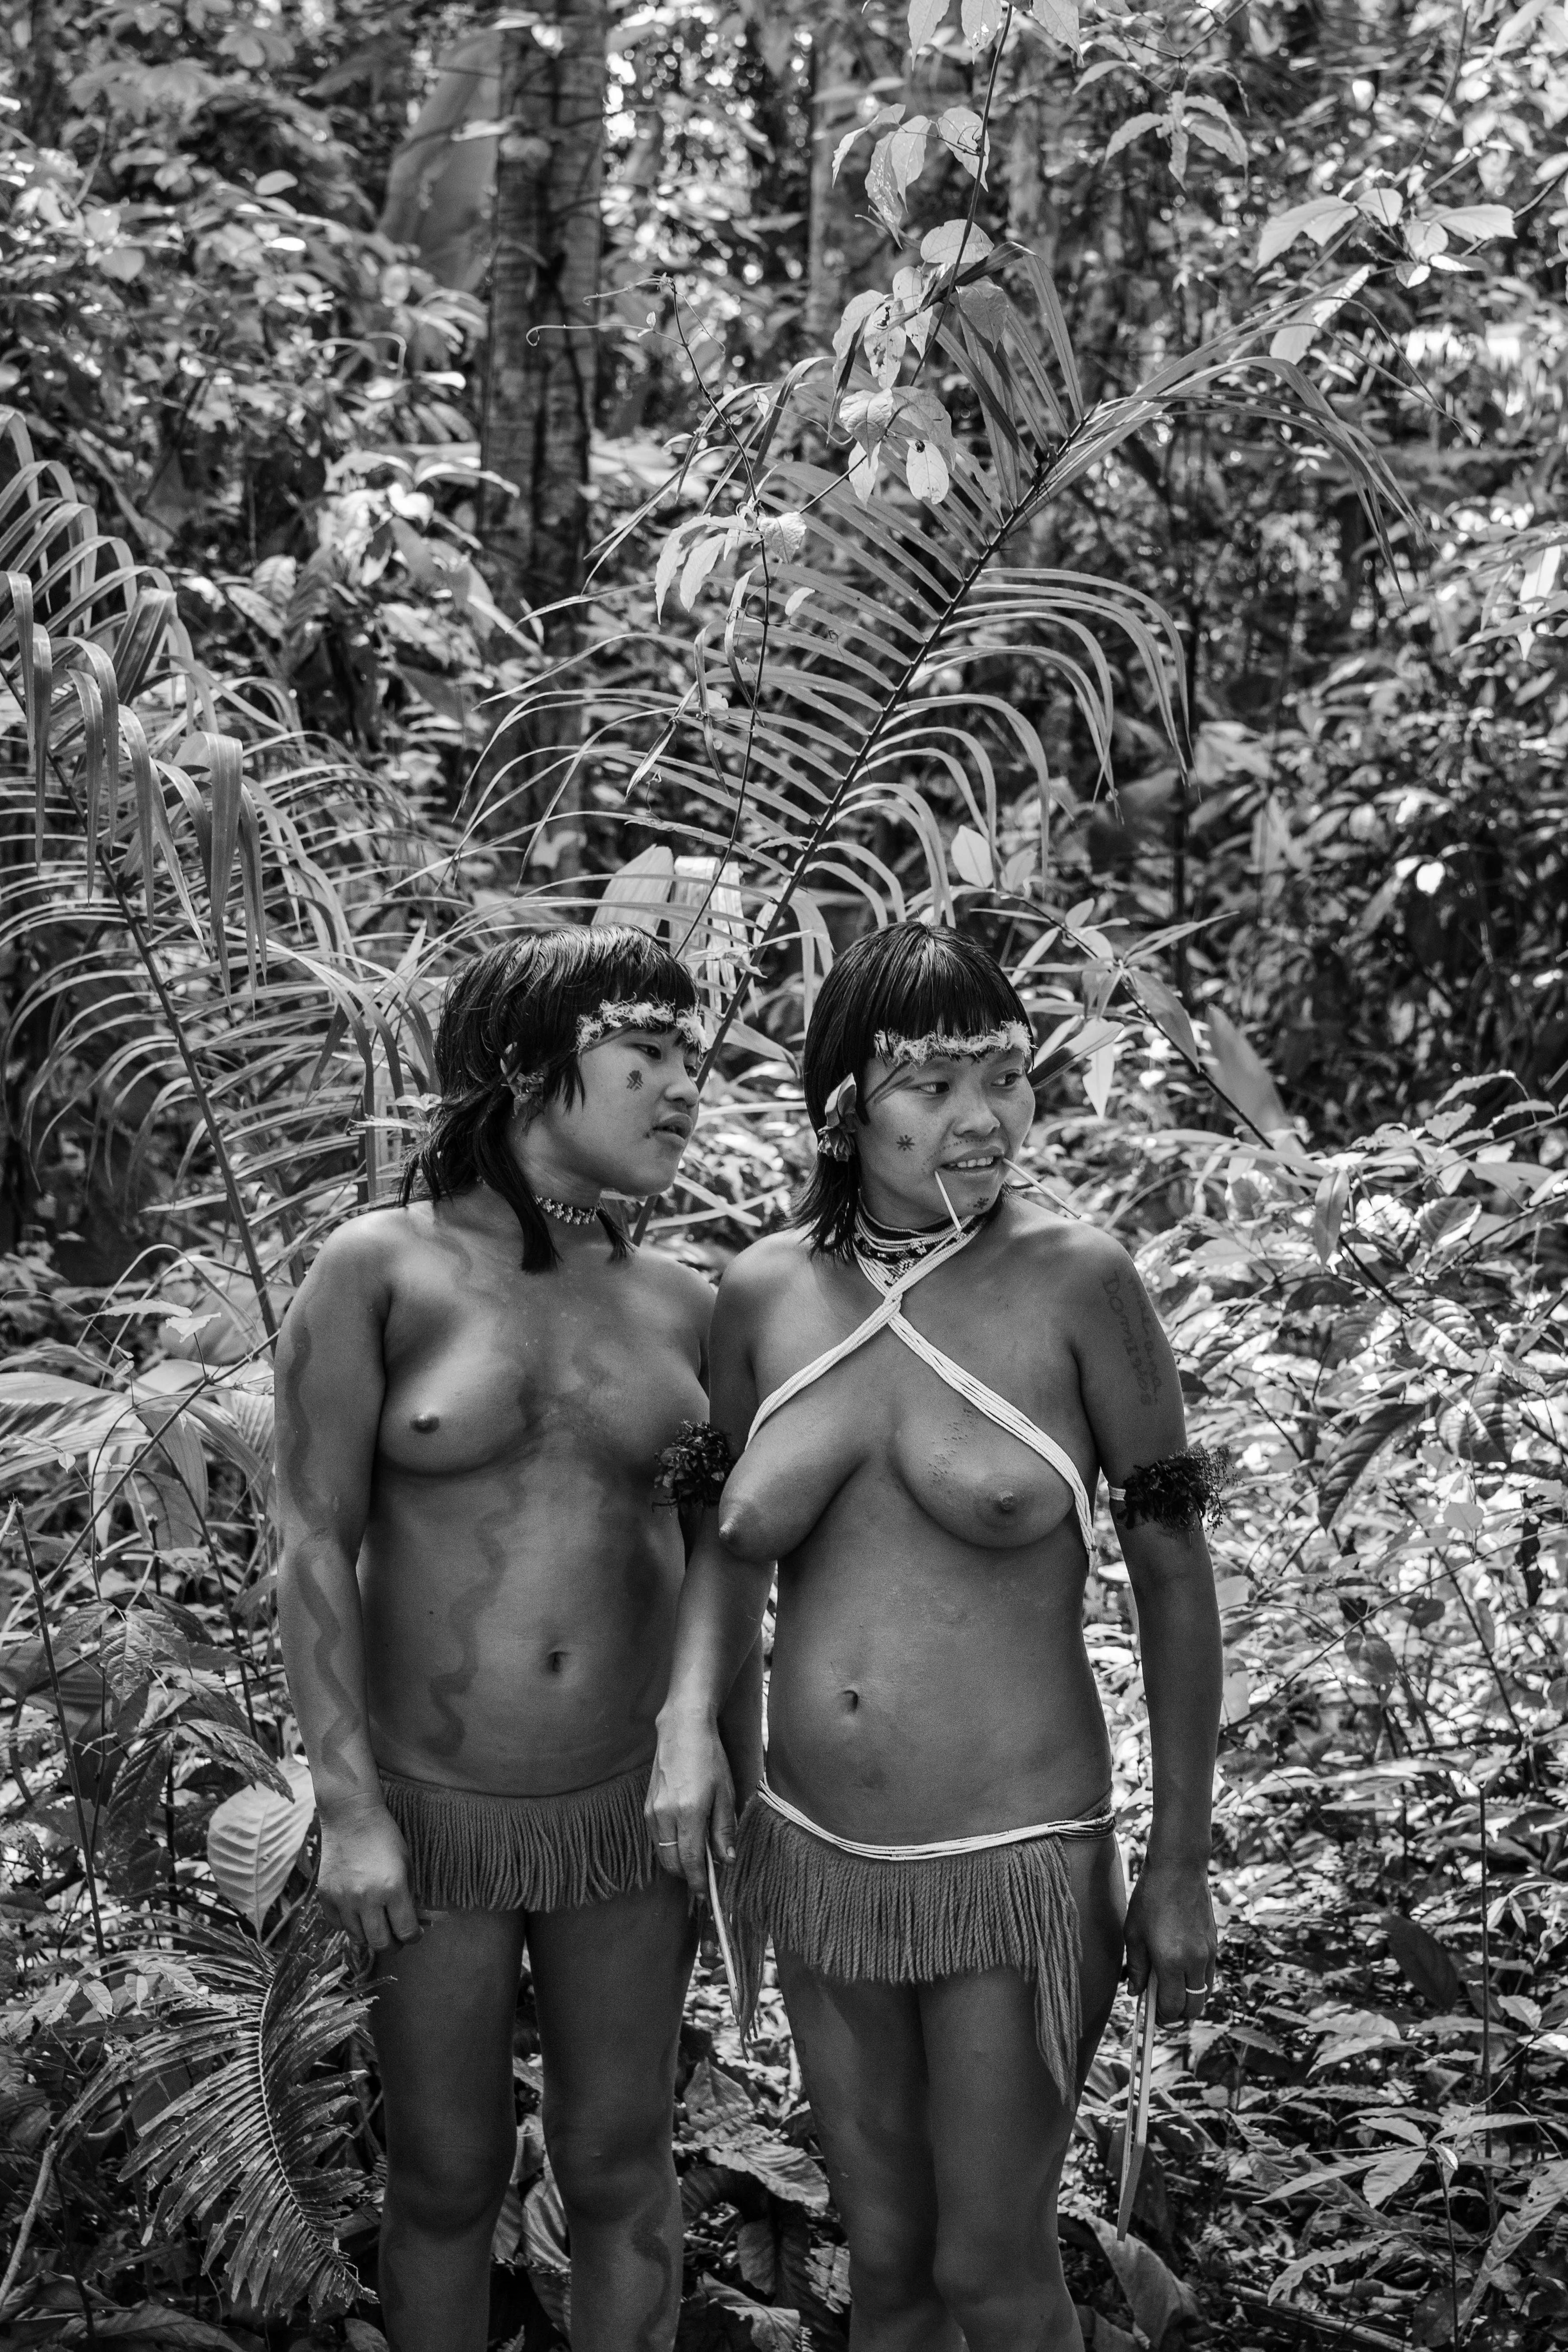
(567, 1212)
(898, 1246)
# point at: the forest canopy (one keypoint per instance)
(1086, 473)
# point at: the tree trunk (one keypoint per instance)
(543, 348)
(844, 249)
(42, 91)
(1039, 149)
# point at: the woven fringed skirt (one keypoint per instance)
(472, 1852)
(912, 1922)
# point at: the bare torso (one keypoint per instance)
(519, 1581)
(929, 1678)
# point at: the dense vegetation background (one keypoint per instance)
(458, 472)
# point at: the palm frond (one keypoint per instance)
(221, 930)
(825, 687)
(247, 2150)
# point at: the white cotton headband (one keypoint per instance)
(644, 1013)
(616, 1015)
(902, 1051)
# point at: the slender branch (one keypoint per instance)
(17, 1517)
(980, 162)
(1487, 2009)
(1453, 84)
(25, 2230)
(198, 1087)
(1321, 2322)
(219, 1576)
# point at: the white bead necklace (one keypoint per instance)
(567, 1212)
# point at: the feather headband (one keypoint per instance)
(645, 1012)
(615, 1017)
(903, 1051)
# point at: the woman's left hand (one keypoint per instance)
(691, 1800)
(1171, 1936)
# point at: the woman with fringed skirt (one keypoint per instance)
(489, 1411)
(927, 1381)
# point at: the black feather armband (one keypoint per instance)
(693, 1469)
(1181, 1489)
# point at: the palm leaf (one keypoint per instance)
(818, 702)
(251, 2044)
(185, 834)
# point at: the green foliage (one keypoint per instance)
(1048, 602)
(242, 2147)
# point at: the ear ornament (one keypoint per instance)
(836, 1135)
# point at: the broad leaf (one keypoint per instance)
(1479, 222)
(1162, 2303)
(254, 1840)
(1424, 1961)
(1546, 2193)
(721, 2119)
(1348, 1459)
(1320, 218)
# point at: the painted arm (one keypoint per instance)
(714, 1702)
(330, 1387)
(1133, 1400)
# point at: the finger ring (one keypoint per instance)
(1202, 1991)
(664, 1841)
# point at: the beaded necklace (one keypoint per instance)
(897, 1247)
(567, 1212)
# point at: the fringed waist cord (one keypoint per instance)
(472, 1852)
(911, 1915)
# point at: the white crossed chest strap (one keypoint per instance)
(888, 1315)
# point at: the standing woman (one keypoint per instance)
(477, 1590)
(928, 1380)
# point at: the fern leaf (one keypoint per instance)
(252, 2150)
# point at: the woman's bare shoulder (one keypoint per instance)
(364, 1252)
(1069, 1251)
(764, 1272)
(690, 1292)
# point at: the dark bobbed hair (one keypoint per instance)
(911, 979)
(513, 1011)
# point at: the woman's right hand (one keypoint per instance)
(691, 1800)
(363, 1878)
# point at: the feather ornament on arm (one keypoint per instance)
(692, 1470)
(1178, 1491)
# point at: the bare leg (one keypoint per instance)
(1000, 2131)
(442, 2025)
(863, 2061)
(609, 1982)
(944, 2139)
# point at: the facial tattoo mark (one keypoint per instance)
(634, 1081)
(906, 1143)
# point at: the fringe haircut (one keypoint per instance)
(512, 1011)
(911, 979)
